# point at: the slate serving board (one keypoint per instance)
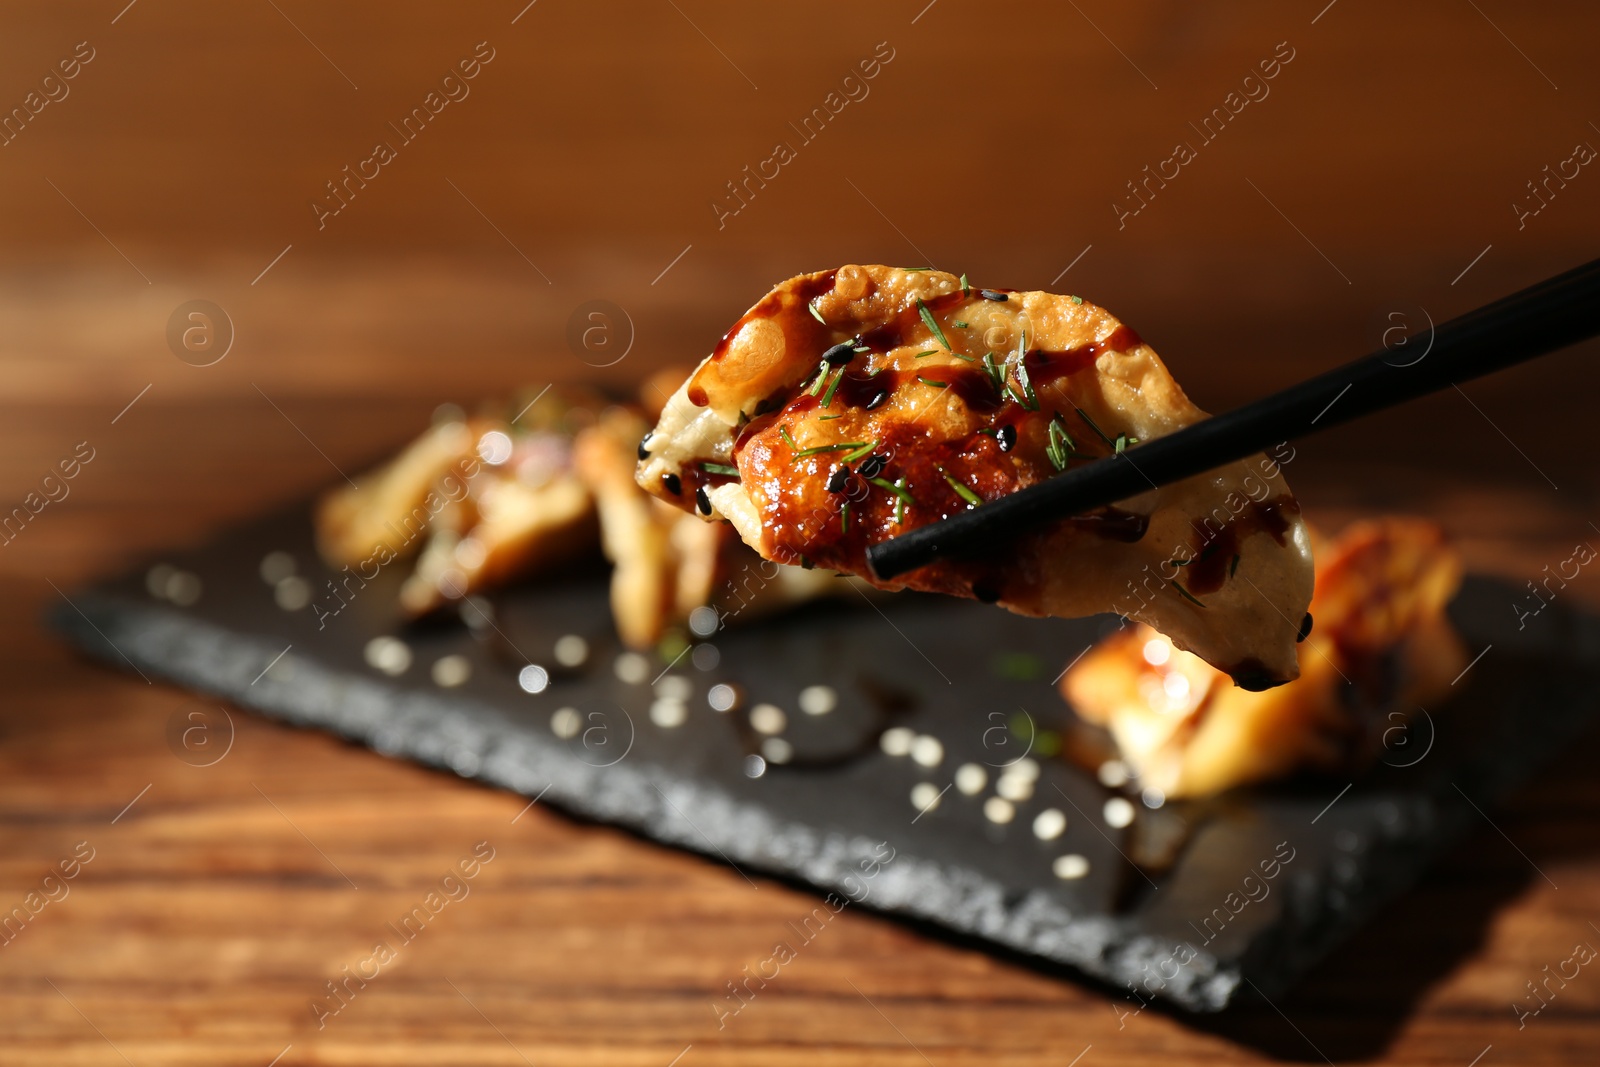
(1197, 934)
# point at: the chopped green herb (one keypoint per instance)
(996, 373)
(897, 487)
(858, 453)
(902, 498)
(932, 382)
(720, 468)
(1061, 447)
(822, 376)
(1032, 401)
(931, 324)
(916, 270)
(844, 518)
(815, 313)
(783, 432)
(1186, 594)
(990, 430)
(959, 325)
(1076, 299)
(827, 398)
(965, 288)
(1098, 432)
(929, 352)
(1233, 568)
(969, 359)
(1122, 440)
(961, 490)
(820, 449)
(825, 418)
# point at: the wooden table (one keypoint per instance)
(220, 900)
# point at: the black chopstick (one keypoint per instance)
(1553, 314)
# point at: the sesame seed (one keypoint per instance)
(702, 500)
(1118, 812)
(1049, 824)
(565, 723)
(668, 713)
(673, 483)
(818, 699)
(927, 750)
(925, 796)
(451, 671)
(1070, 867)
(971, 778)
(768, 719)
(838, 479)
(896, 740)
(998, 810)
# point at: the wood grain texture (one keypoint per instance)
(219, 904)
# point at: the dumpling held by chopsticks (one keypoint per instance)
(852, 405)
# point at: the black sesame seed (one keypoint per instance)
(838, 479)
(702, 500)
(1006, 437)
(872, 466)
(644, 451)
(877, 401)
(1305, 628)
(990, 294)
(839, 354)
(673, 483)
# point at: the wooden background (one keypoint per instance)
(1377, 178)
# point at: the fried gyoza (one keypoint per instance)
(1382, 647)
(851, 405)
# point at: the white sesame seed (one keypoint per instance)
(777, 750)
(632, 668)
(292, 593)
(1113, 774)
(674, 687)
(183, 588)
(276, 566)
(668, 713)
(565, 723)
(998, 810)
(1118, 812)
(818, 699)
(971, 778)
(925, 796)
(1070, 867)
(1013, 787)
(896, 740)
(156, 579)
(1025, 768)
(533, 678)
(571, 650)
(390, 655)
(1049, 824)
(451, 671)
(927, 750)
(768, 719)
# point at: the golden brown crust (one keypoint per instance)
(1381, 647)
(944, 395)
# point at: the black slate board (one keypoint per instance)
(925, 663)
